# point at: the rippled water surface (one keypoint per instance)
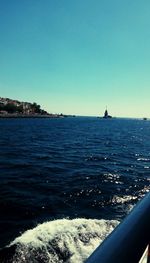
(70, 168)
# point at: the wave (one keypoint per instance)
(123, 199)
(61, 240)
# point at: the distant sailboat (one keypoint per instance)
(106, 115)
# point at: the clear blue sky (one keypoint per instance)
(77, 56)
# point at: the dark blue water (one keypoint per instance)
(70, 168)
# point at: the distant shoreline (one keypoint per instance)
(30, 116)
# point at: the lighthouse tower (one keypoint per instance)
(106, 115)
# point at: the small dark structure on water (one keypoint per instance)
(106, 115)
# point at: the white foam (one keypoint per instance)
(62, 240)
(124, 199)
(143, 159)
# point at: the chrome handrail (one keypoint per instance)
(128, 241)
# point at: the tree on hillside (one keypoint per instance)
(20, 109)
(10, 108)
(36, 108)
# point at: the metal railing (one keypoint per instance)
(128, 241)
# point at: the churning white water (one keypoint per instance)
(62, 240)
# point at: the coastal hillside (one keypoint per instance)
(10, 106)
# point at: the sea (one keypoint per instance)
(66, 183)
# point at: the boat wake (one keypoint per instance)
(60, 241)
